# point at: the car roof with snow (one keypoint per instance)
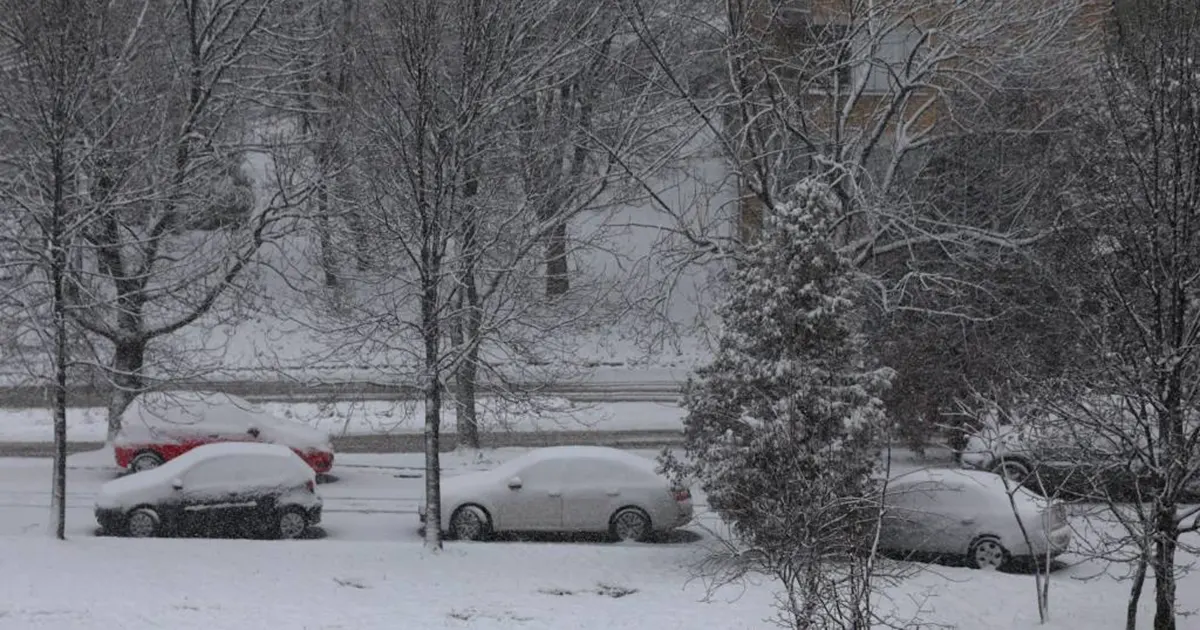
(191, 407)
(211, 412)
(956, 479)
(584, 452)
(951, 478)
(162, 475)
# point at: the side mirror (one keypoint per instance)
(177, 484)
(253, 431)
(514, 483)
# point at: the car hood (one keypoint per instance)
(469, 483)
(143, 487)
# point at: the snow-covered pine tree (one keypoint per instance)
(781, 425)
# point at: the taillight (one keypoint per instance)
(681, 494)
(311, 485)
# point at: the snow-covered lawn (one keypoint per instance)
(371, 417)
(370, 571)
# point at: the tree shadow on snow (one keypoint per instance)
(1018, 566)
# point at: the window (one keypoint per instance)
(236, 471)
(889, 58)
(818, 55)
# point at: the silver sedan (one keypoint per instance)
(971, 513)
(565, 489)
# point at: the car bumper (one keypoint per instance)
(1052, 544)
(976, 461)
(314, 515)
(110, 519)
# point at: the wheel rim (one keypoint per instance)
(145, 462)
(630, 526)
(141, 525)
(1014, 472)
(989, 554)
(468, 525)
(291, 525)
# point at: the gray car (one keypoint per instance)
(565, 489)
(973, 514)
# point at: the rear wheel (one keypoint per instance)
(630, 525)
(1016, 471)
(469, 523)
(987, 553)
(142, 523)
(290, 523)
(145, 461)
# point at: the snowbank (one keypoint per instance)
(374, 417)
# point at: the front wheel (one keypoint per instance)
(469, 523)
(142, 523)
(988, 553)
(630, 525)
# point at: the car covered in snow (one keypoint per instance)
(565, 489)
(947, 512)
(160, 426)
(1101, 455)
(215, 489)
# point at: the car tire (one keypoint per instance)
(987, 552)
(142, 522)
(290, 524)
(145, 460)
(1016, 471)
(470, 522)
(630, 524)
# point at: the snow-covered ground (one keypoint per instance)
(373, 417)
(370, 571)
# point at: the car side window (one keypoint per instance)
(207, 473)
(919, 497)
(236, 471)
(550, 471)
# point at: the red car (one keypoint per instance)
(160, 426)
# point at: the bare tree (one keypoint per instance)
(54, 69)
(177, 221)
(862, 94)
(1129, 269)
(456, 214)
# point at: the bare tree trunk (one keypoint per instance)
(128, 362)
(468, 371)
(430, 329)
(328, 254)
(469, 323)
(1135, 592)
(557, 274)
(1165, 545)
(58, 270)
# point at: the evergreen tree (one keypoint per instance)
(781, 425)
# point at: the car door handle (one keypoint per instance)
(968, 521)
(556, 493)
(614, 493)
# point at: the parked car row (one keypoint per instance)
(247, 487)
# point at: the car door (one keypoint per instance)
(218, 493)
(906, 522)
(595, 488)
(533, 500)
